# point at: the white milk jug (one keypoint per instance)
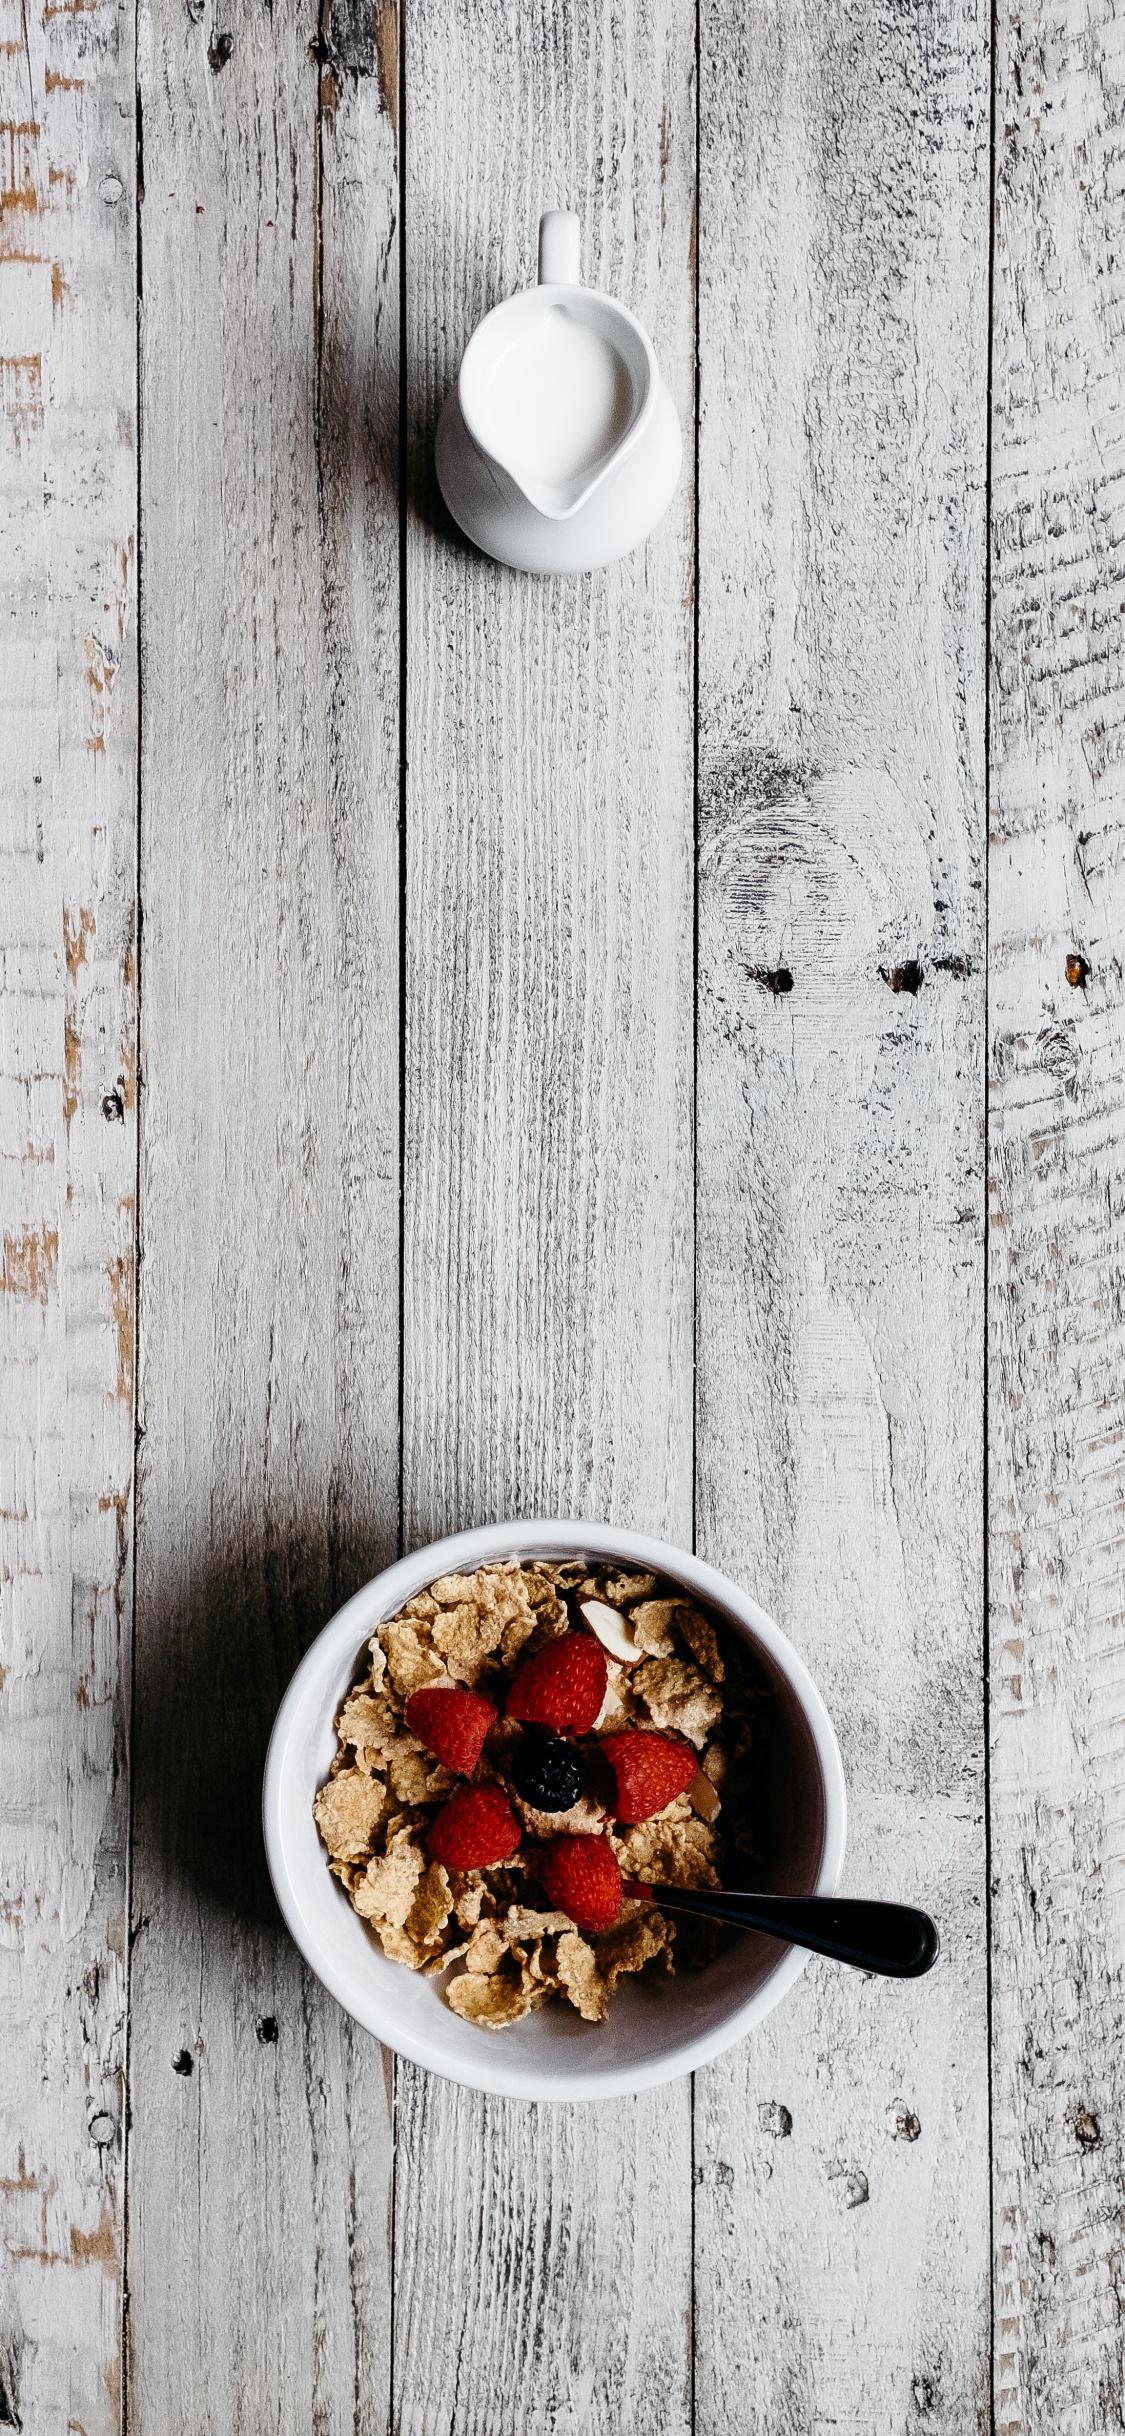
(559, 447)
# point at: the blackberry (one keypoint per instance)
(546, 1774)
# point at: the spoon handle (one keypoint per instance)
(886, 1937)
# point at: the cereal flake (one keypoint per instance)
(493, 2003)
(486, 1949)
(674, 1849)
(678, 1698)
(368, 1723)
(385, 1893)
(347, 1811)
(622, 1588)
(638, 1937)
(466, 1635)
(694, 1628)
(411, 1662)
(580, 1978)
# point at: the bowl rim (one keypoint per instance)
(354, 1623)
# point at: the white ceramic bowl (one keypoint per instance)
(653, 2031)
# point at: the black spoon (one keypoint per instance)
(886, 1937)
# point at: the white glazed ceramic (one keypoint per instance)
(652, 2032)
(559, 448)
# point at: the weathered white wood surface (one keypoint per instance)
(822, 2220)
(543, 2258)
(68, 1169)
(1057, 1107)
(268, 1485)
(842, 2211)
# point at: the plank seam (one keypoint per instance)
(127, 2058)
(402, 770)
(986, 1601)
(697, 392)
(402, 1012)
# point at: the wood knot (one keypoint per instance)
(904, 2124)
(908, 977)
(1087, 2129)
(1077, 971)
(218, 51)
(775, 2119)
(852, 2184)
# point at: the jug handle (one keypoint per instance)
(560, 237)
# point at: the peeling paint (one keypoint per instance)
(117, 1503)
(101, 670)
(121, 1294)
(386, 58)
(29, 1262)
(17, 174)
(21, 394)
(75, 935)
(98, 2248)
(72, 1065)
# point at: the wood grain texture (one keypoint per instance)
(1057, 1110)
(259, 2187)
(842, 2210)
(68, 716)
(542, 2258)
(543, 2274)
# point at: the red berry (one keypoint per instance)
(475, 1829)
(650, 1772)
(581, 1877)
(452, 1724)
(564, 1687)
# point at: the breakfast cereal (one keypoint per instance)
(543, 1773)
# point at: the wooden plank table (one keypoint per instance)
(650, 1047)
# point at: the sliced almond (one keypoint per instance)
(612, 1630)
(703, 1798)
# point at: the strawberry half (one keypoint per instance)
(650, 1772)
(563, 1687)
(476, 1828)
(581, 1877)
(452, 1724)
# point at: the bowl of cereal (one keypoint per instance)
(481, 1754)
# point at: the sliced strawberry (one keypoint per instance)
(452, 1724)
(581, 1877)
(476, 1828)
(563, 1687)
(650, 1771)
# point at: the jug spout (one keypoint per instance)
(560, 237)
